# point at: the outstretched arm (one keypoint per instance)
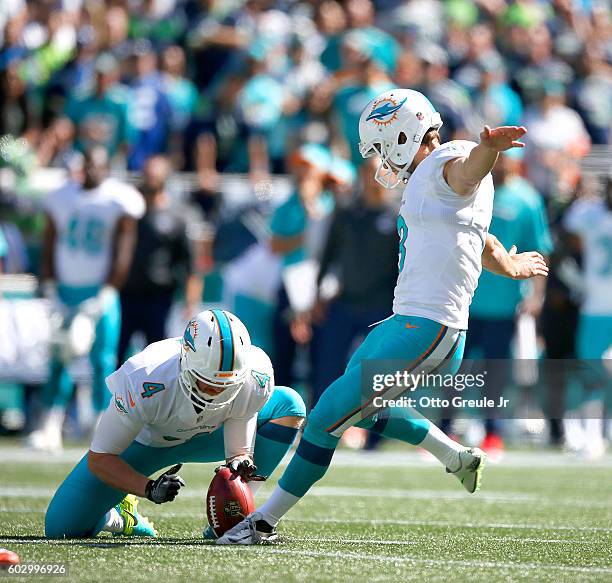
(112, 436)
(463, 175)
(511, 264)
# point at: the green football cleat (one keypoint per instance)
(135, 523)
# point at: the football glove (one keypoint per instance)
(166, 487)
(245, 468)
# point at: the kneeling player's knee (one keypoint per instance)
(288, 404)
(55, 526)
(61, 523)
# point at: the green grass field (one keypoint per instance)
(386, 516)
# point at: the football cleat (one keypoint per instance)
(253, 530)
(470, 472)
(134, 523)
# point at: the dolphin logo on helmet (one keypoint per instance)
(191, 331)
(392, 127)
(385, 111)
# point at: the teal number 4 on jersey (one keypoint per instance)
(151, 389)
(261, 377)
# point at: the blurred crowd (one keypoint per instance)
(265, 88)
(233, 85)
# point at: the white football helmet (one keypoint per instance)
(384, 120)
(215, 349)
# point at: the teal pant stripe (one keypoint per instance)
(440, 336)
(227, 340)
(277, 432)
(314, 454)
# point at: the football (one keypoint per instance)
(228, 501)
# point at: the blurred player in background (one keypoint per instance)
(444, 243)
(205, 397)
(163, 262)
(89, 240)
(590, 218)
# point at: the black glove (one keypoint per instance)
(245, 469)
(166, 487)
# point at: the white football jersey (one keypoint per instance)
(149, 406)
(442, 237)
(85, 222)
(591, 219)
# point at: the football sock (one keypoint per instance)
(409, 425)
(401, 423)
(443, 447)
(255, 487)
(114, 522)
(308, 464)
(279, 503)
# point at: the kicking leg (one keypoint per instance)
(345, 403)
(410, 426)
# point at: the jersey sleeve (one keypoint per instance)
(130, 201)
(122, 421)
(239, 436)
(241, 426)
(116, 429)
(443, 154)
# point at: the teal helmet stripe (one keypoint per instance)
(227, 340)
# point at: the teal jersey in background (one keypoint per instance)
(183, 97)
(289, 220)
(348, 105)
(3, 245)
(519, 218)
(99, 120)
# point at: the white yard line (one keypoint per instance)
(349, 555)
(398, 522)
(373, 492)
(388, 542)
(444, 524)
(349, 541)
(345, 458)
(444, 562)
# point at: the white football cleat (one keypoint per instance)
(253, 530)
(470, 472)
